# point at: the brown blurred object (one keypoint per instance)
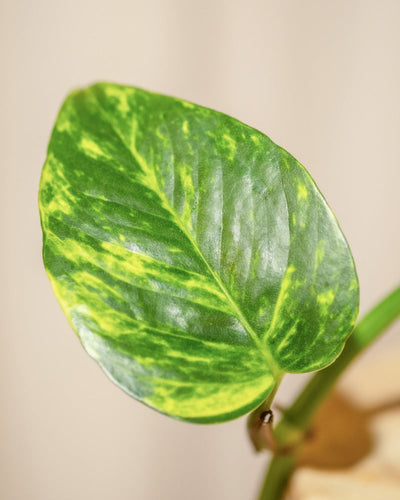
(340, 436)
(354, 448)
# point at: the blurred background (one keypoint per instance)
(322, 79)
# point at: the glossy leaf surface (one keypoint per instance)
(196, 260)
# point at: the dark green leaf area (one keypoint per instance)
(319, 293)
(196, 260)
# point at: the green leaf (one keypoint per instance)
(196, 260)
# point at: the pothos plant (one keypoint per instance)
(198, 263)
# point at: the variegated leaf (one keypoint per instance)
(196, 260)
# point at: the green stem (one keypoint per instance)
(277, 478)
(296, 420)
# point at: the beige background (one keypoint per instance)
(321, 78)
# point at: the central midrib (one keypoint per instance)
(272, 365)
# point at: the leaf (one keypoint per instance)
(196, 260)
